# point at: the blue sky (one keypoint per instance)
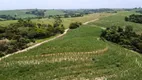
(68, 4)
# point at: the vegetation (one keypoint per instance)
(80, 55)
(7, 17)
(31, 13)
(39, 13)
(17, 13)
(125, 37)
(118, 19)
(134, 18)
(75, 25)
(139, 10)
(18, 35)
(66, 21)
(68, 58)
(82, 12)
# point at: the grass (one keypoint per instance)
(54, 12)
(66, 21)
(22, 13)
(68, 58)
(19, 13)
(119, 20)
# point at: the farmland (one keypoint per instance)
(79, 55)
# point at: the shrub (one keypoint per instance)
(125, 37)
(18, 35)
(75, 25)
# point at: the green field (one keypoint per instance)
(22, 13)
(19, 13)
(54, 12)
(118, 19)
(78, 55)
(66, 21)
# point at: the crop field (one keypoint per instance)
(118, 19)
(79, 55)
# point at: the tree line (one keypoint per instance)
(125, 37)
(7, 17)
(134, 18)
(18, 35)
(39, 13)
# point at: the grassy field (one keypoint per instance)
(54, 12)
(119, 20)
(79, 55)
(22, 13)
(19, 13)
(66, 21)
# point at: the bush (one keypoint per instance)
(134, 18)
(125, 37)
(18, 35)
(75, 25)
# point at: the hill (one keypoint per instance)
(78, 55)
(18, 13)
(118, 19)
(66, 21)
(22, 13)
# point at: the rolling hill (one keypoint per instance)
(78, 55)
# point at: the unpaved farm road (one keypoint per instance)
(90, 21)
(38, 44)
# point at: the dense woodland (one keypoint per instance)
(125, 37)
(17, 36)
(134, 18)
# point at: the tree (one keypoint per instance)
(66, 15)
(57, 21)
(126, 19)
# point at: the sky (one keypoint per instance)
(68, 4)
